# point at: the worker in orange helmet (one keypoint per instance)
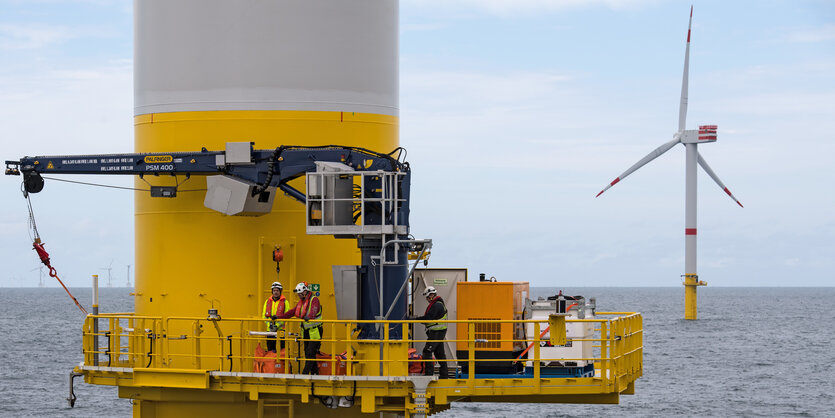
(309, 309)
(276, 307)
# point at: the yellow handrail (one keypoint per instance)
(138, 341)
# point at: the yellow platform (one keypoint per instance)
(137, 353)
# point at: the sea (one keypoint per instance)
(752, 352)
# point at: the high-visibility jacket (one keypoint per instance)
(303, 311)
(275, 308)
(435, 326)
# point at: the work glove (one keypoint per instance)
(274, 317)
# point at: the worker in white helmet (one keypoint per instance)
(276, 307)
(309, 309)
(435, 332)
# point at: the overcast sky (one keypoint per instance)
(515, 115)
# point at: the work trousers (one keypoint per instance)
(435, 347)
(311, 348)
(271, 342)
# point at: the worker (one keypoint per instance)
(435, 333)
(276, 307)
(310, 310)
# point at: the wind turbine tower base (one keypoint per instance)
(691, 283)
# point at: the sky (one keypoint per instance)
(515, 115)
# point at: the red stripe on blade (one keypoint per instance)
(689, 231)
(614, 182)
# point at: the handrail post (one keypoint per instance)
(334, 355)
(220, 346)
(604, 354)
(616, 352)
(166, 344)
(131, 342)
(95, 319)
(349, 353)
(111, 328)
(471, 352)
(195, 344)
(386, 348)
(87, 342)
(242, 346)
(536, 362)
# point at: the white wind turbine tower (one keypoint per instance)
(690, 139)
(40, 275)
(109, 277)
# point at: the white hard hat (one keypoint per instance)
(429, 291)
(301, 288)
(276, 285)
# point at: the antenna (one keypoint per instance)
(128, 276)
(690, 139)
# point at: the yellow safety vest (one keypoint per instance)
(312, 325)
(273, 310)
(437, 326)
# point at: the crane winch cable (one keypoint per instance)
(37, 245)
(117, 187)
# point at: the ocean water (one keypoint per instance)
(753, 352)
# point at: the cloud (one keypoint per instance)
(28, 36)
(468, 88)
(415, 27)
(32, 36)
(820, 34)
(791, 262)
(505, 8)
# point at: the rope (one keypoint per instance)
(52, 273)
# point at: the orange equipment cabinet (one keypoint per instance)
(493, 301)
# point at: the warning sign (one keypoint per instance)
(50, 166)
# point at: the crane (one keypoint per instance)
(350, 192)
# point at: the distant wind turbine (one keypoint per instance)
(690, 139)
(109, 269)
(40, 275)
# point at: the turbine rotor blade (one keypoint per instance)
(716, 179)
(682, 108)
(643, 161)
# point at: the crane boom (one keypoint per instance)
(263, 168)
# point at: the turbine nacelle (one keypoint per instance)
(705, 133)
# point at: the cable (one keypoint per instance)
(32, 225)
(99, 185)
(121, 187)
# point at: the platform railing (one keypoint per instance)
(229, 345)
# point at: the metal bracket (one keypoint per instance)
(71, 399)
